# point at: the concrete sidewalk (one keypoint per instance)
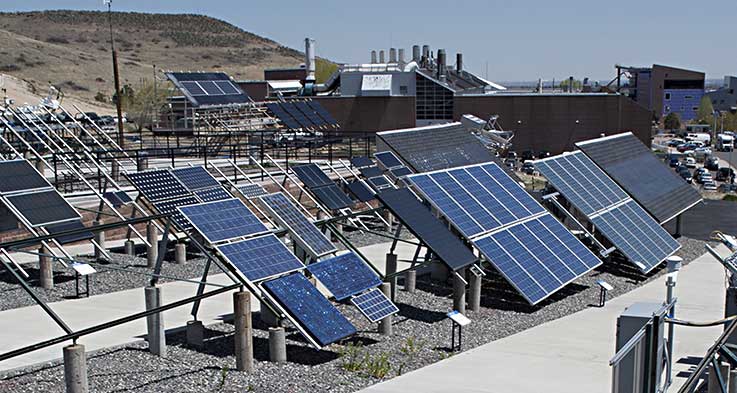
(572, 354)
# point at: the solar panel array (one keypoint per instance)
(361, 161)
(304, 232)
(388, 160)
(44, 207)
(169, 206)
(17, 175)
(379, 182)
(251, 190)
(638, 171)
(620, 219)
(529, 247)
(195, 177)
(302, 115)
(158, 184)
(213, 194)
(374, 305)
(400, 172)
(260, 257)
(332, 197)
(311, 175)
(309, 308)
(360, 191)
(223, 220)
(69, 226)
(371, 171)
(208, 88)
(117, 198)
(345, 275)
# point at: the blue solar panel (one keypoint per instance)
(157, 184)
(213, 194)
(388, 160)
(260, 257)
(311, 175)
(309, 309)
(169, 206)
(251, 190)
(332, 197)
(371, 171)
(304, 232)
(345, 275)
(374, 305)
(195, 177)
(222, 220)
(322, 112)
(400, 171)
(117, 198)
(379, 182)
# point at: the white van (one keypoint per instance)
(699, 137)
(725, 142)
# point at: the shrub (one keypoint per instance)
(378, 367)
(57, 40)
(351, 357)
(100, 97)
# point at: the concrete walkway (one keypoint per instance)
(572, 354)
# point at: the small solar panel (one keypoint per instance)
(17, 175)
(195, 177)
(222, 220)
(208, 88)
(371, 171)
(43, 207)
(361, 161)
(117, 198)
(322, 112)
(283, 116)
(69, 226)
(251, 190)
(311, 175)
(374, 305)
(194, 89)
(359, 190)
(213, 194)
(227, 87)
(169, 206)
(379, 182)
(388, 160)
(260, 257)
(332, 197)
(157, 184)
(400, 172)
(310, 113)
(345, 275)
(309, 237)
(309, 309)
(303, 120)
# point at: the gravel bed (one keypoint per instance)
(421, 337)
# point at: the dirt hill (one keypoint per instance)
(71, 49)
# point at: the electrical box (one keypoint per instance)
(635, 369)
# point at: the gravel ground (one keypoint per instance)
(421, 337)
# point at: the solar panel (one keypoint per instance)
(360, 191)
(227, 87)
(345, 275)
(157, 184)
(309, 309)
(169, 206)
(371, 171)
(425, 226)
(223, 220)
(260, 257)
(297, 115)
(322, 112)
(304, 232)
(311, 175)
(646, 178)
(117, 198)
(195, 177)
(379, 182)
(388, 160)
(213, 194)
(374, 305)
(194, 89)
(17, 175)
(310, 113)
(208, 88)
(621, 220)
(332, 197)
(69, 226)
(43, 207)
(400, 172)
(251, 190)
(283, 116)
(361, 161)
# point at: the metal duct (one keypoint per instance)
(416, 53)
(392, 55)
(401, 56)
(373, 57)
(459, 62)
(441, 63)
(310, 58)
(382, 57)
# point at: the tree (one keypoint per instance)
(577, 84)
(672, 121)
(143, 104)
(705, 114)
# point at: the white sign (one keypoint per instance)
(83, 269)
(458, 318)
(373, 82)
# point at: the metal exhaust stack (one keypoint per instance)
(459, 62)
(392, 55)
(416, 53)
(382, 58)
(310, 59)
(373, 57)
(401, 56)
(441, 64)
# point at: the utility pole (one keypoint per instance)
(116, 76)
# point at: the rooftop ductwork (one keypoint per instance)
(373, 57)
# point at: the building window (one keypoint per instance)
(667, 96)
(403, 90)
(687, 97)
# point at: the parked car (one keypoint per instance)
(675, 142)
(673, 162)
(690, 162)
(64, 118)
(710, 186)
(690, 146)
(704, 178)
(510, 163)
(712, 163)
(543, 154)
(725, 174)
(726, 187)
(528, 168)
(105, 121)
(686, 175)
(527, 155)
(511, 154)
(80, 117)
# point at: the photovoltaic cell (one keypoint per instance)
(374, 305)
(43, 207)
(309, 309)
(208, 88)
(17, 175)
(345, 275)
(157, 184)
(309, 113)
(297, 115)
(283, 116)
(170, 206)
(222, 220)
(117, 198)
(360, 191)
(302, 230)
(251, 190)
(400, 172)
(311, 175)
(379, 182)
(371, 171)
(388, 160)
(322, 112)
(332, 197)
(69, 226)
(361, 161)
(195, 177)
(213, 194)
(260, 257)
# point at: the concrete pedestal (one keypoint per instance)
(459, 292)
(75, 369)
(129, 247)
(152, 252)
(385, 325)
(243, 331)
(180, 253)
(277, 345)
(46, 269)
(410, 281)
(155, 323)
(391, 269)
(474, 301)
(99, 239)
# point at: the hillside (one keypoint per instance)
(71, 49)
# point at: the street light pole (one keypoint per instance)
(116, 76)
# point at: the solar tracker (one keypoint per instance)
(260, 257)
(208, 88)
(223, 220)
(345, 275)
(17, 175)
(283, 116)
(310, 113)
(400, 172)
(371, 171)
(157, 184)
(379, 182)
(374, 305)
(251, 190)
(69, 226)
(425, 226)
(195, 177)
(332, 197)
(322, 112)
(309, 308)
(360, 191)
(213, 194)
(621, 220)
(297, 115)
(361, 161)
(311, 175)
(117, 198)
(43, 207)
(304, 232)
(638, 171)
(388, 159)
(170, 206)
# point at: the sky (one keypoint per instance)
(517, 40)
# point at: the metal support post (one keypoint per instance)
(391, 270)
(243, 331)
(459, 291)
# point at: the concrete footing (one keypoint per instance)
(459, 292)
(391, 268)
(99, 239)
(75, 369)
(45, 269)
(410, 281)
(155, 322)
(195, 334)
(40, 167)
(385, 325)
(130, 247)
(277, 345)
(180, 253)
(243, 332)
(474, 296)
(152, 252)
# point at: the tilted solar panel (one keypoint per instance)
(400, 172)
(374, 305)
(332, 197)
(17, 175)
(69, 226)
(388, 159)
(170, 206)
(310, 113)
(304, 232)
(260, 257)
(117, 198)
(251, 190)
(213, 194)
(43, 207)
(361, 161)
(157, 184)
(322, 112)
(309, 308)
(283, 116)
(297, 115)
(371, 171)
(345, 275)
(208, 88)
(360, 191)
(195, 178)
(311, 175)
(223, 220)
